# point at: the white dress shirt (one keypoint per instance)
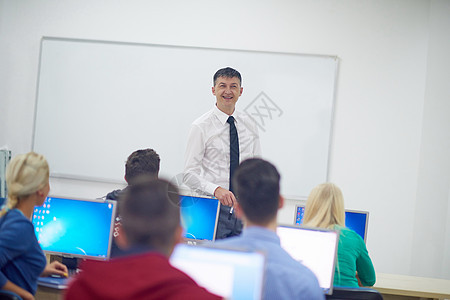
(207, 159)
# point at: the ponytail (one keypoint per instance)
(25, 174)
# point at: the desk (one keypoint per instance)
(410, 287)
(46, 293)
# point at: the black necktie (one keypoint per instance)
(234, 148)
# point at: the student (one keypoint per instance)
(149, 232)
(22, 260)
(140, 163)
(325, 209)
(217, 142)
(257, 187)
(143, 164)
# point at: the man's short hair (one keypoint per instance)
(142, 163)
(150, 215)
(257, 186)
(227, 72)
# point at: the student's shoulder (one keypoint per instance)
(231, 242)
(299, 279)
(17, 231)
(15, 219)
(187, 288)
(350, 237)
(114, 195)
(307, 282)
(349, 232)
(288, 262)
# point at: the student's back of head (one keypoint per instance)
(325, 207)
(150, 216)
(142, 163)
(25, 174)
(257, 187)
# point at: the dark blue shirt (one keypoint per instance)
(21, 257)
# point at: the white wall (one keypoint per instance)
(390, 141)
(431, 218)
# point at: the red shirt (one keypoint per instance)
(143, 276)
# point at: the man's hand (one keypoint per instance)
(55, 268)
(225, 196)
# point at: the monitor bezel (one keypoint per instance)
(111, 228)
(367, 220)
(201, 241)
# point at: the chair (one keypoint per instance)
(345, 293)
(7, 295)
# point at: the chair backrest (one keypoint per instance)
(346, 293)
(7, 295)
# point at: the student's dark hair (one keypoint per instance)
(257, 187)
(149, 214)
(227, 72)
(142, 163)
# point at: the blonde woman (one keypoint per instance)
(21, 258)
(325, 209)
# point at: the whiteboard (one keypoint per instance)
(99, 101)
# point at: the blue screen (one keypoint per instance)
(356, 221)
(198, 217)
(75, 227)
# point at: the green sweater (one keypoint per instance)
(352, 257)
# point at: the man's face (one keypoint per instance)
(227, 91)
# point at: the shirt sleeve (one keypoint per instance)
(195, 152)
(364, 267)
(76, 291)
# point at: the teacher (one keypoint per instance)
(217, 142)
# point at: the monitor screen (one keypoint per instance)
(199, 217)
(74, 227)
(232, 274)
(315, 248)
(354, 219)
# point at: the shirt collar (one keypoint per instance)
(135, 250)
(261, 233)
(223, 117)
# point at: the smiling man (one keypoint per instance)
(218, 141)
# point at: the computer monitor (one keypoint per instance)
(199, 217)
(75, 227)
(356, 220)
(232, 274)
(313, 247)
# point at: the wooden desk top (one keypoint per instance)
(412, 286)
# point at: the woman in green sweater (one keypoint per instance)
(325, 209)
